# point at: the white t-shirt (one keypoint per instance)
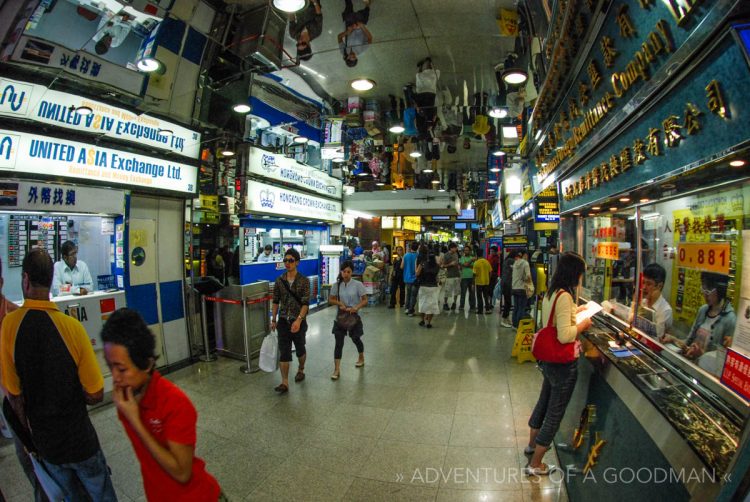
(427, 81)
(662, 314)
(351, 292)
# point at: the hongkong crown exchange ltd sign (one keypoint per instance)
(273, 200)
(281, 168)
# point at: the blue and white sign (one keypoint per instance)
(43, 155)
(497, 215)
(281, 168)
(278, 201)
(39, 104)
(37, 196)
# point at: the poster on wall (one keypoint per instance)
(48, 156)
(705, 237)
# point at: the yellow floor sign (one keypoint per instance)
(524, 338)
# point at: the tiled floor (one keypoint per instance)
(435, 415)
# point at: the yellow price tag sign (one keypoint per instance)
(705, 256)
(608, 250)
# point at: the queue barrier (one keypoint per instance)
(244, 303)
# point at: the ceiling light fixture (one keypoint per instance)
(435, 182)
(613, 209)
(595, 208)
(300, 139)
(149, 65)
(492, 182)
(498, 153)
(415, 154)
(737, 163)
(494, 169)
(380, 183)
(362, 84)
(83, 110)
(242, 108)
(289, 5)
(644, 200)
(397, 129)
(498, 113)
(624, 199)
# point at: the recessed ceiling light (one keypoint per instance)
(737, 163)
(241, 108)
(515, 76)
(84, 110)
(498, 153)
(428, 170)
(613, 209)
(595, 208)
(362, 84)
(576, 214)
(624, 199)
(300, 139)
(490, 189)
(415, 154)
(166, 132)
(492, 182)
(148, 65)
(435, 182)
(226, 152)
(498, 113)
(397, 129)
(494, 169)
(644, 200)
(289, 5)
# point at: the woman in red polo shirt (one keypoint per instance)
(158, 417)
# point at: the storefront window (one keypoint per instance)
(695, 243)
(610, 254)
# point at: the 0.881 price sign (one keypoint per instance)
(706, 256)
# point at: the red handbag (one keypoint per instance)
(547, 348)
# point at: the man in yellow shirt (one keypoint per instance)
(482, 269)
(49, 372)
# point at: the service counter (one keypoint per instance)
(641, 427)
(92, 310)
(255, 272)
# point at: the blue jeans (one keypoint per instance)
(519, 306)
(82, 480)
(411, 295)
(557, 389)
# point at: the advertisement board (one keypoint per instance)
(273, 200)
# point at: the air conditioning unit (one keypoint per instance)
(259, 38)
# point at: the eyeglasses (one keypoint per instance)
(707, 291)
(289, 260)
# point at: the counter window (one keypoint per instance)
(696, 242)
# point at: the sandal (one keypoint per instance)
(335, 376)
(359, 364)
(299, 376)
(542, 470)
(281, 388)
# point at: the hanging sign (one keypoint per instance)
(43, 155)
(413, 223)
(269, 199)
(736, 373)
(705, 256)
(608, 250)
(281, 168)
(547, 206)
(39, 104)
(35, 196)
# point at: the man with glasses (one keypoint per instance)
(291, 298)
(654, 277)
(71, 275)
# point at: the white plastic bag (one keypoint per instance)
(269, 353)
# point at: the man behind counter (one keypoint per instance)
(266, 256)
(72, 272)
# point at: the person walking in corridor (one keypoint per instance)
(397, 280)
(409, 266)
(351, 297)
(291, 300)
(506, 278)
(466, 263)
(482, 270)
(521, 277)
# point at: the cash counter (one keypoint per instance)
(641, 425)
(92, 310)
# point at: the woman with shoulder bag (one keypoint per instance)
(559, 311)
(350, 296)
